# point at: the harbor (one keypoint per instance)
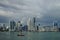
(30, 36)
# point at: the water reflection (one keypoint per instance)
(30, 36)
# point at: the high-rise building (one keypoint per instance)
(12, 25)
(29, 24)
(34, 22)
(4, 26)
(37, 27)
(25, 28)
(55, 26)
(19, 25)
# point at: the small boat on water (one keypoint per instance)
(21, 34)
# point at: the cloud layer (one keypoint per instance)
(19, 9)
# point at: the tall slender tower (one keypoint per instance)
(55, 26)
(34, 21)
(12, 25)
(29, 24)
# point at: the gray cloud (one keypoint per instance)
(4, 19)
(46, 10)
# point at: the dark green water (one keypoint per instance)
(30, 36)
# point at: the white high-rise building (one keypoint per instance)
(30, 25)
(19, 25)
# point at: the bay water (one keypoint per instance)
(30, 36)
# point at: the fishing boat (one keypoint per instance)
(20, 34)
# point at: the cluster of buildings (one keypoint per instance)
(4, 27)
(17, 26)
(30, 26)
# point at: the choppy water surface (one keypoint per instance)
(30, 36)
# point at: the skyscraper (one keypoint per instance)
(19, 25)
(4, 26)
(34, 22)
(29, 24)
(55, 26)
(12, 25)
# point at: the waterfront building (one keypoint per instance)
(25, 28)
(41, 29)
(34, 22)
(30, 25)
(35, 25)
(4, 26)
(1, 27)
(12, 25)
(37, 28)
(55, 26)
(45, 28)
(18, 25)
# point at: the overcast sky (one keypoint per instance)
(46, 10)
